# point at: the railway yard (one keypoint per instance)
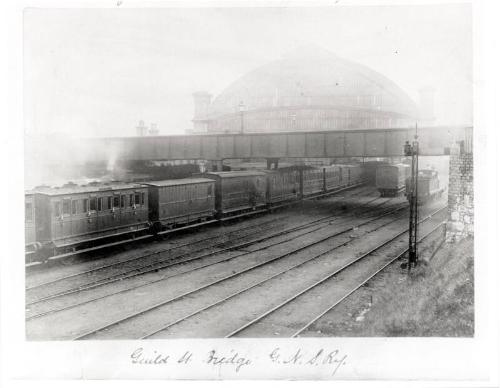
(278, 274)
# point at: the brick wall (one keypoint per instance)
(460, 194)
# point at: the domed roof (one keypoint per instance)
(313, 77)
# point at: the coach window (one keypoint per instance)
(110, 202)
(99, 204)
(93, 204)
(57, 208)
(116, 201)
(73, 207)
(131, 199)
(66, 206)
(85, 205)
(28, 211)
(142, 198)
(122, 201)
(137, 198)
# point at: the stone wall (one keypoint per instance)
(460, 194)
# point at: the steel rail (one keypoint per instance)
(149, 236)
(156, 306)
(260, 282)
(177, 274)
(157, 252)
(397, 257)
(336, 272)
(155, 266)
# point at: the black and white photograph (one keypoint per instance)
(251, 190)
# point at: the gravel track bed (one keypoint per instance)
(144, 324)
(286, 321)
(128, 302)
(219, 234)
(245, 307)
(50, 290)
(347, 317)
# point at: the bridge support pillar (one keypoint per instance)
(460, 194)
(271, 161)
(215, 165)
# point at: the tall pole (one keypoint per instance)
(412, 150)
(412, 243)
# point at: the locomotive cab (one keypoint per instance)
(428, 186)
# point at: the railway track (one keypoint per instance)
(150, 254)
(157, 264)
(189, 243)
(146, 237)
(259, 333)
(398, 256)
(163, 278)
(304, 295)
(96, 332)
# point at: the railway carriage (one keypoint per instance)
(356, 174)
(180, 201)
(370, 170)
(238, 191)
(332, 177)
(282, 186)
(350, 174)
(390, 179)
(72, 216)
(344, 174)
(313, 181)
(29, 219)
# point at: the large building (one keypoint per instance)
(307, 90)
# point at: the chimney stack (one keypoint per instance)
(154, 130)
(141, 129)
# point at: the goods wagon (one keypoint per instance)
(390, 179)
(370, 170)
(332, 177)
(282, 186)
(428, 186)
(180, 201)
(237, 191)
(355, 174)
(349, 174)
(260, 166)
(74, 215)
(313, 181)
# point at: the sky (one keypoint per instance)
(97, 72)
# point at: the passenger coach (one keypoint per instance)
(70, 216)
(29, 218)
